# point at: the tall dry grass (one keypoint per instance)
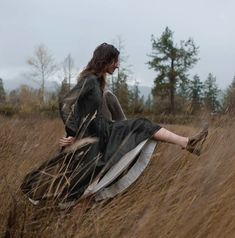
(24, 144)
(178, 195)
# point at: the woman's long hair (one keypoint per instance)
(103, 55)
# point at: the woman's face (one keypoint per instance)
(112, 66)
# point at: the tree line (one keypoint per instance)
(174, 91)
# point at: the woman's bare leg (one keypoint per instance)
(170, 137)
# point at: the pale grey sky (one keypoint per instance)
(77, 27)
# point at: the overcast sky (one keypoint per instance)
(77, 27)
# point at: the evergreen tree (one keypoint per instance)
(229, 98)
(171, 62)
(149, 104)
(119, 81)
(65, 87)
(120, 89)
(2, 92)
(211, 93)
(195, 94)
(183, 89)
(182, 97)
(136, 102)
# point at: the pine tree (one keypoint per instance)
(229, 98)
(65, 87)
(121, 90)
(211, 92)
(195, 94)
(183, 89)
(171, 62)
(136, 101)
(2, 92)
(149, 104)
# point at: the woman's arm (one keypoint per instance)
(80, 90)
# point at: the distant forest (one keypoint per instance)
(174, 94)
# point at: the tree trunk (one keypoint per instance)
(69, 68)
(172, 95)
(172, 87)
(43, 87)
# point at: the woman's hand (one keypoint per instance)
(65, 141)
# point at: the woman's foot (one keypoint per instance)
(195, 142)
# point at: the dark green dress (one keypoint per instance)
(72, 172)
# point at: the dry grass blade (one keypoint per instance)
(176, 196)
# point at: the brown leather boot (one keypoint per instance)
(195, 142)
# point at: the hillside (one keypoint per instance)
(178, 195)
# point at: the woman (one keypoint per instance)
(93, 143)
(105, 60)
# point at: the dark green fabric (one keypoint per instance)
(115, 139)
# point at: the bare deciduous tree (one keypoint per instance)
(68, 66)
(119, 80)
(43, 66)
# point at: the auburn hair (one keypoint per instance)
(103, 55)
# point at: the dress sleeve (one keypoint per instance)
(68, 103)
(79, 90)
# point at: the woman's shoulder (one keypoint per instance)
(90, 78)
(89, 81)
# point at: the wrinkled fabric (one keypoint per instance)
(111, 108)
(66, 176)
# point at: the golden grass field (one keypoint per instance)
(178, 195)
